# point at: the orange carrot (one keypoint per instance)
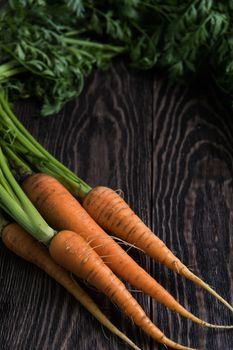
(24, 245)
(62, 211)
(111, 212)
(71, 251)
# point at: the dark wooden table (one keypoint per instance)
(169, 149)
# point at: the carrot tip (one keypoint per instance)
(191, 276)
(218, 326)
(168, 342)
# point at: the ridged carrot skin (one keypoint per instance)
(62, 211)
(71, 251)
(17, 240)
(112, 213)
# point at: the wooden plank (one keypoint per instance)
(192, 206)
(105, 137)
(183, 190)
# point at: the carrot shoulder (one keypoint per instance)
(113, 214)
(24, 245)
(62, 211)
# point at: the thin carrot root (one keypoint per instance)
(73, 253)
(28, 248)
(111, 212)
(190, 275)
(62, 211)
(174, 345)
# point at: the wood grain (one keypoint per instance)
(169, 150)
(192, 205)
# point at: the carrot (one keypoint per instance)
(112, 213)
(62, 211)
(71, 251)
(24, 245)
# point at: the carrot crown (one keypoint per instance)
(14, 202)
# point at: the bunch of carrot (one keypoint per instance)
(17, 240)
(76, 238)
(68, 249)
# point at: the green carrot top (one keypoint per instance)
(14, 202)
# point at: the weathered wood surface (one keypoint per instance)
(170, 151)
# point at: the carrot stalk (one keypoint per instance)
(114, 215)
(24, 245)
(14, 130)
(14, 201)
(62, 211)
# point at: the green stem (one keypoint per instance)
(79, 52)
(18, 166)
(45, 166)
(28, 140)
(34, 151)
(26, 204)
(7, 74)
(21, 169)
(34, 148)
(75, 186)
(23, 63)
(75, 32)
(93, 44)
(8, 66)
(10, 69)
(25, 213)
(9, 205)
(7, 115)
(7, 187)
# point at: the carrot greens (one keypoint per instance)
(14, 201)
(54, 62)
(48, 48)
(14, 133)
